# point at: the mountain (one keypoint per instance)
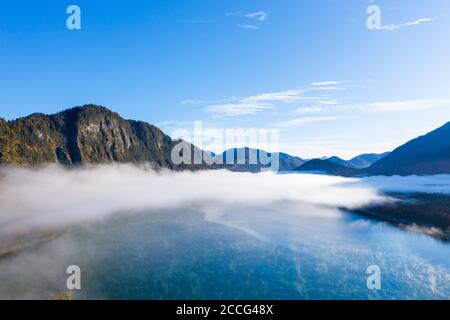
(242, 159)
(86, 135)
(337, 166)
(425, 155)
(340, 161)
(255, 160)
(94, 134)
(366, 160)
(288, 162)
(359, 162)
(326, 167)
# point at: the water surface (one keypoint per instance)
(285, 251)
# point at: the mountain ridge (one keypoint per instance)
(428, 154)
(326, 166)
(365, 160)
(93, 134)
(261, 160)
(88, 134)
(361, 161)
(425, 155)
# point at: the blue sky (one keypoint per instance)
(311, 69)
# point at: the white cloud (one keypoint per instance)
(320, 105)
(328, 101)
(329, 88)
(326, 83)
(280, 96)
(311, 110)
(257, 103)
(311, 102)
(302, 121)
(238, 109)
(258, 18)
(391, 27)
(271, 100)
(236, 106)
(260, 15)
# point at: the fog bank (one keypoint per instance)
(56, 196)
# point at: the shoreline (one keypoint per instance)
(423, 213)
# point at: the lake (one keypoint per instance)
(283, 251)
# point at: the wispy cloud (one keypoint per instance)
(257, 103)
(391, 27)
(405, 105)
(280, 96)
(308, 101)
(238, 106)
(305, 120)
(258, 18)
(247, 26)
(334, 107)
(238, 109)
(328, 88)
(326, 83)
(258, 15)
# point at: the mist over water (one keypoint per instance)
(55, 196)
(210, 235)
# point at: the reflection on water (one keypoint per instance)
(286, 251)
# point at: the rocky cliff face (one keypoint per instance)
(84, 135)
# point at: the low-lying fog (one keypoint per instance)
(211, 235)
(56, 196)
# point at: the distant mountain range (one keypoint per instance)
(255, 160)
(93, 134)
(366, 160)
(425, 155)
(359, 162)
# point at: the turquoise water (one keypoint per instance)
(283, 252)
